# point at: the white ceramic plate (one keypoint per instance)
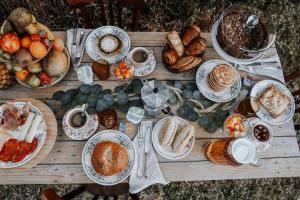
(167, 152)
(114, 136)
(41, 136)
(92, 42)
(216, 96)
(262, 113)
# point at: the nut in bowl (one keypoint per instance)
(108, 157)
(184, 53)
(173, 138)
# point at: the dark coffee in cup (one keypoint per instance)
(78, 119)
(261, 133)
(140, 56)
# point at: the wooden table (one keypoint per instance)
(63, 165)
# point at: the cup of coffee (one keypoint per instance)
(260, 133)
(77, 118)
(139, 56)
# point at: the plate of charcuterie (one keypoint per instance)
(22, 133)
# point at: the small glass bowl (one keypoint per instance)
(243, 125)
(122, 74)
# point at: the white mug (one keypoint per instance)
(74, 111)
(135, 63)
(243, 151)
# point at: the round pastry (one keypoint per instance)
(190, 34)
(197, 47)
(170, 56)
(109, 158)
(109, 43)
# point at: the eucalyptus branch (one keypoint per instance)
(208, 109)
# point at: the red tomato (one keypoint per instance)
(45, 78)
(10, 43)
(35, 37)
(34, 145)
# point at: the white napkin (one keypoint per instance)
(70, 41)
(136, 184)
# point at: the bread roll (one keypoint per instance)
(190, 34)
(170, 56)
(197, 47)
(168, 131)
(183, 138)
(175, 42)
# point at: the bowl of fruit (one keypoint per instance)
(46, 72)
(23, 40)
(123, 70)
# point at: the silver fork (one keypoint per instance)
(141, 150)
(74, 45)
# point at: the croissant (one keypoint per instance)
(170, 56)
(197, 47)
(190, 34)
(175, 42)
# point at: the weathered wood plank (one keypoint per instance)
(179, 171)
(71, 151)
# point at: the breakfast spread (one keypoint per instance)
(221, 77)
(274, 101)
(18, 130)
(184, 53)
(176, 137)
(109, 158)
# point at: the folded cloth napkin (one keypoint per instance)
(70, 34)
(136, 183)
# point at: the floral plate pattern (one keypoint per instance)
(93, 50)
(114, 136)
(41, 136)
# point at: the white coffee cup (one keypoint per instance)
(243, 151)
(72, 112)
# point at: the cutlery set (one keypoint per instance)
(144, 143)
(77, 47)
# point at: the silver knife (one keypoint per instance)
(141, 142)
(147, 151)
(74, 45)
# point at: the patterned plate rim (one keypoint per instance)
(259, 113)
(85, 149)
(238, 80)
(113, 58)
(5, 165)
(161, 153)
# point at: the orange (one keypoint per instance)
(37, 49)
(25, 42)
(22, 74)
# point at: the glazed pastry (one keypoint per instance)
(170, 56)
(181, 62)
(175, 42)
(183, 138)
(168, 131)
(190, 34)
(197, 47)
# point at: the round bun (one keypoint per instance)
(109, 158)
